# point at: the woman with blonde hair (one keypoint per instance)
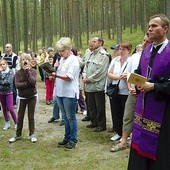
(66, 90)
(25, 81)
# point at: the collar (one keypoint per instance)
(164, 43)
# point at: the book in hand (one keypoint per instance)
(136, 79)
(47, 67)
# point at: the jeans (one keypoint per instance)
(68, 110)
(56, 110)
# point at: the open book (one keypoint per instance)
(136, 79)
(47, 67)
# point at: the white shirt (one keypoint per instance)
(117, 70)
(69, 67)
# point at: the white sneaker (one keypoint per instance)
(6, 126)
(33, 138)
(13, 139)
(115, 137)
(85, 113)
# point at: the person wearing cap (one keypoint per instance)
(117, 73)
(116, 51)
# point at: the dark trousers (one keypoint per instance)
(118, 107)
(112, 113)
(31, 102)
(96, 104)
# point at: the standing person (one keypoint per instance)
(49, 83)
(67, 90)
(13, 63)
(6, 93)
(40, 61)
(116, 53)
(83, 61)
(118, 73)
(94, 79)
(116, 50)
(25, 80)
(131, 100)
(150, 135)
(81, 101)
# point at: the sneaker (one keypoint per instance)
(51, 120)
(33, 138)
(63, 143)
(61, 123)
(85, 113)
(15, 126)
(70, 145)
(115, 137)
(6, 126)
(48, 102)
(15, 138)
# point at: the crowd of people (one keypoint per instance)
(140, 113)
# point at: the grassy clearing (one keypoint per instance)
(92, 152)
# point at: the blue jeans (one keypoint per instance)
(68, 110)
(56, 110)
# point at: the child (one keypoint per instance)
(49, 83)
(6, 93)
(25, 81)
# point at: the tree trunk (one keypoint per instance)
(43, 22)
(25, 26)
(4, 23)
(118, 20)
(48, 24)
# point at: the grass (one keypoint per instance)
(92, 152)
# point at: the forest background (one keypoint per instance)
(40, 23)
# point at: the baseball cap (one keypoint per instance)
(116, 47)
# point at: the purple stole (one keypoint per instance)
(148, 120)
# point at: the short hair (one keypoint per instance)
(50, 49)
(64, 42)
(26, 56)
(163, 17)
(127, 45)
(101, 40)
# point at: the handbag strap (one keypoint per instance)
(122, 72)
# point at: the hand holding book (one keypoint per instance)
(136, 79)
